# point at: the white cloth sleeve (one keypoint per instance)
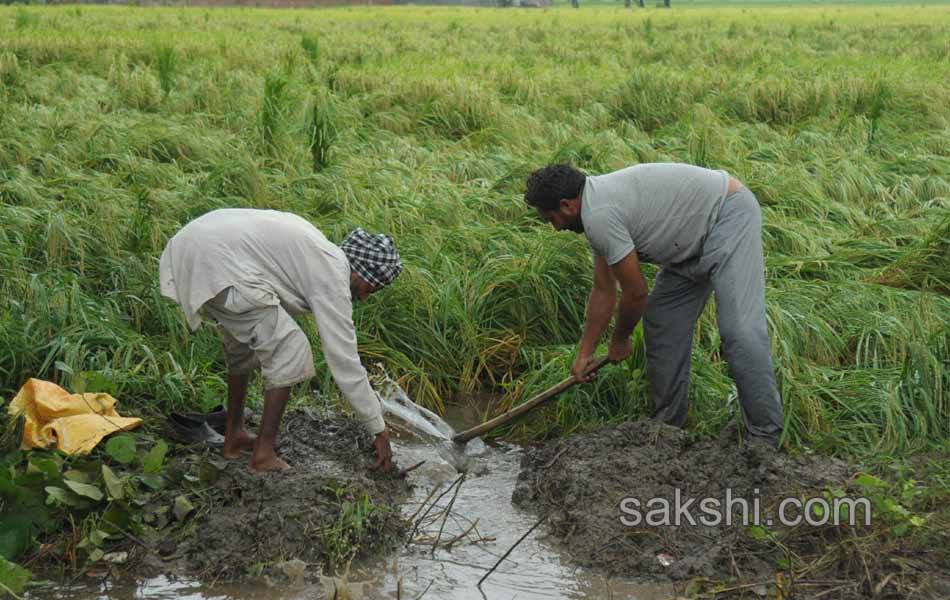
(334, 317)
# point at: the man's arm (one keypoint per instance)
(633, 301)
(600, 306)
(334, 317)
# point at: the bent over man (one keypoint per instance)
(704, 228)
(250, 271)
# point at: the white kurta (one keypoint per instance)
(279, 258)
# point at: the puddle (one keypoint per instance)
(482, 518)
(535, 569)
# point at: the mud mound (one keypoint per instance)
(581, 481)
(328, 509)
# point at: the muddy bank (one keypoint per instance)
(329, 509)
(581, 481)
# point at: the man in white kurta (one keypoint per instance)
(251, 271)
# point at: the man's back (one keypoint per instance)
(277, 256)
(661, 210)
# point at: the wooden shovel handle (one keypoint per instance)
(529, 405)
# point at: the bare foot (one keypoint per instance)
(268, 463)
(242, 442)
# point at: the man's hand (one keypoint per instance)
(619, 349)
(384, 452)
(580, 366)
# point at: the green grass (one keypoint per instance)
(118, 125)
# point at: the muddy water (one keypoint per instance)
(535, 569)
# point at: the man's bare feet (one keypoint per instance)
(270, 462)
(241, 442)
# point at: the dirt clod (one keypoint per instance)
(582, 481)
(329, 508)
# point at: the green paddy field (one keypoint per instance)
(120, 124)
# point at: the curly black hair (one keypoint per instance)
(548, 186)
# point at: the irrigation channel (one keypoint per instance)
(459, 532)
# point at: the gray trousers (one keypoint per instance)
(731, 264)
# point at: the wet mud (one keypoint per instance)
(581, 482)
(329, 509)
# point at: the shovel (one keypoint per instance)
(465, 436)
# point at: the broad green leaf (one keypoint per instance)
(14, 535)
(59, 497)
(152, 462)
(97, 536)
(96, 555)
(113, 483)
(77, 476)
(153, 480)
(13, 576)
(895, 508)
(757, 532)
(183, 508)
(32, 508)
(84, 489)
(46, 466)
(121, 448)
(115, 519)
(30, 480)
(869, 481)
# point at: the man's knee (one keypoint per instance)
(240, 363)
(237, 355)
(290, 360)
(743, 335)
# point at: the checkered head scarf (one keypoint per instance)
(373, 257)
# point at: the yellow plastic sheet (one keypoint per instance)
(73, 423)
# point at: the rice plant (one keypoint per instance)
(118, 125)
(323, 129)
(25, 19)
(166, 63)
(273, 109)
(9, 69)
(311, 47)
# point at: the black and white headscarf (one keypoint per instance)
(373, 257)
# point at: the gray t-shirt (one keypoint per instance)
(661, 210)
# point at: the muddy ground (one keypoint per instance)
(580, 482)
(330, 508)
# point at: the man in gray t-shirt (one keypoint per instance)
(704, 228)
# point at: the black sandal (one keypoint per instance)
(217, 418)
(188, 430)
